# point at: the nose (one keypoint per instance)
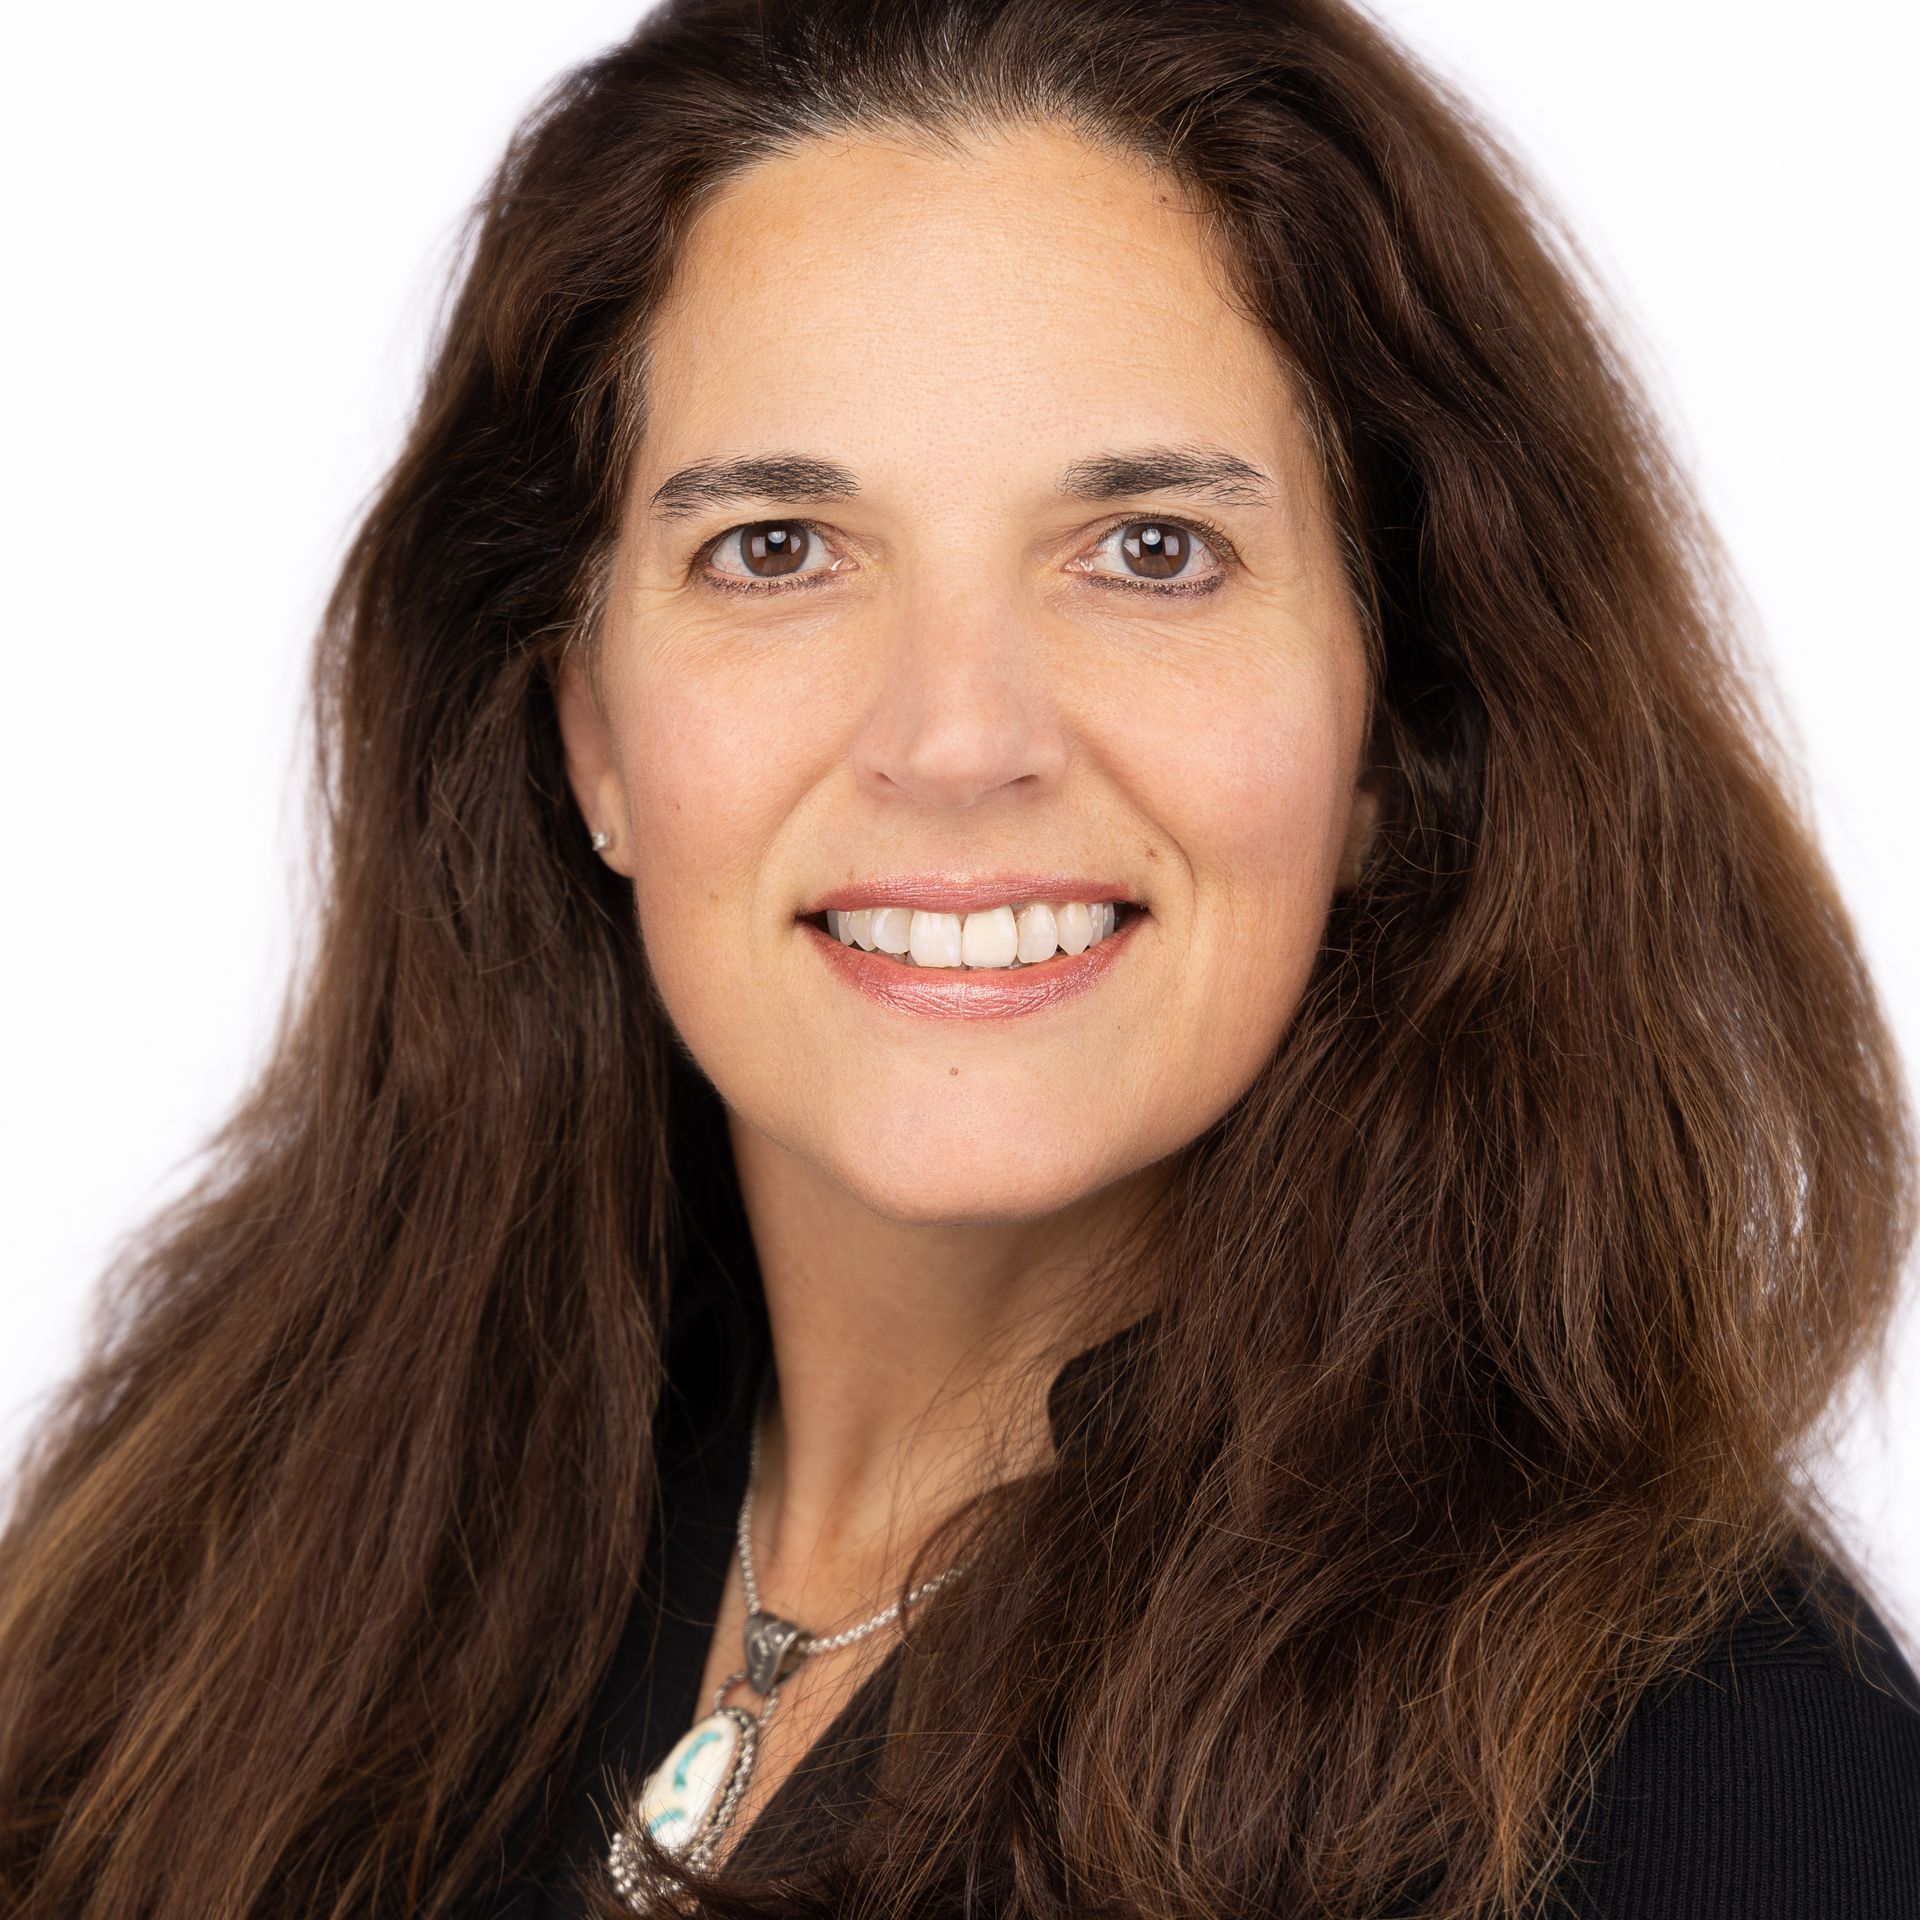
(961, 708)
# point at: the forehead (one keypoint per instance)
(1024, 294)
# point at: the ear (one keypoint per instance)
(1363, 822)
(593, 766)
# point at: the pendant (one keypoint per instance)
(690, 1796)
(687, 1798)
(774, 1648)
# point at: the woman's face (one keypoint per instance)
(954, 643)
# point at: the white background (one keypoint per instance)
(225, 240)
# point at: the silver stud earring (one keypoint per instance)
(601, 838)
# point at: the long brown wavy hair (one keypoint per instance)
(1499, 1318)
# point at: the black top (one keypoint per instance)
(1771, 1781)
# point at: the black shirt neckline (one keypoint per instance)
(1768, 1712)
(718, 1346)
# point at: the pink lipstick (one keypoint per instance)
(979, 993)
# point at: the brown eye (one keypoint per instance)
(771, 548)
(1156, 549)
(1160, 556)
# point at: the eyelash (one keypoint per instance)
(1213, 536)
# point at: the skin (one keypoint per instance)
(961, 694)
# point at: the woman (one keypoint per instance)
(1079, 1130)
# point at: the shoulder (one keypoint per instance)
(1776, 1778)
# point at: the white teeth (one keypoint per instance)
(1074, 925)
(892, 928)
(1036, 940)
(1015, 935)
(989, 939)
(934, 939)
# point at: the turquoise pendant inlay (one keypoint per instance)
(688, 1797)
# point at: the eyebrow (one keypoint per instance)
(1102, 476)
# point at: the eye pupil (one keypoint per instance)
(1163, 550)
(783, 542)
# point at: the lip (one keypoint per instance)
(951, 893)
(955, 993)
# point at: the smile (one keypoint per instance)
(968, 983)
(997, 938)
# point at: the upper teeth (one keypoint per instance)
(996, 937)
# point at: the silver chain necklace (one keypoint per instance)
(689, 1798)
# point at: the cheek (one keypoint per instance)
(1254, 791)
(1255, 783)
(706, 786)
(1275, 821)
(1273, 811)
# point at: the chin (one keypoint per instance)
(966, 1174)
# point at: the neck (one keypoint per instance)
(912, 1364)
